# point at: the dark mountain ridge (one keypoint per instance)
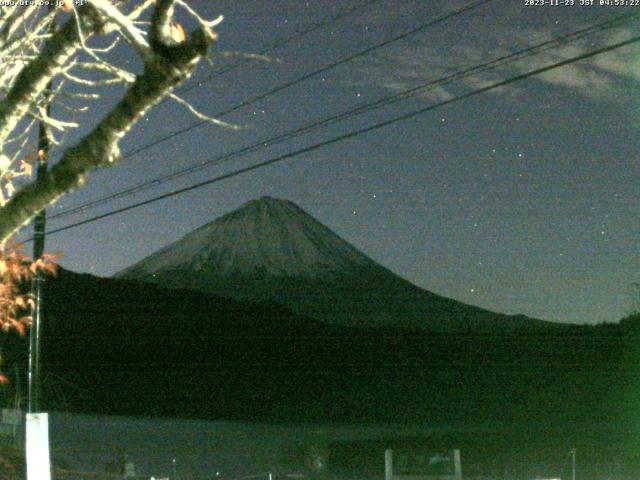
(114, 346)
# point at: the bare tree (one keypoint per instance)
(36, 62)
(43, 51)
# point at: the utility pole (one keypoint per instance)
(37, 453)
(573, 463)
(37, 456)
(39, 225)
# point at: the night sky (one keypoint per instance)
(519, 200)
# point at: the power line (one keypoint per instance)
(280, 43)
(509, 58)
(283, 42)
(519, 55)
(307, 76)
(354, 133)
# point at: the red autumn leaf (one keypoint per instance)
(16, 267)
(34, 266)
(51, 268)
(21, 301)
(20, 327)
(52, 257)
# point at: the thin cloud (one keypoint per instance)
(404, 67)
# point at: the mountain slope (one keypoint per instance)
(271, 249)
(266, 237)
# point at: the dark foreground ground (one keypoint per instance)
(85, 446)
(514, 403)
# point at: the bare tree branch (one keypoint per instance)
(199, 115)
(167, 65)
(126, 26)
(35, 76)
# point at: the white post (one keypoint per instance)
(388, 464)
(130, 469)
(457, 464)
(37, 445)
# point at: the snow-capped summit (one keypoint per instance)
(272, 250)
(267, 236)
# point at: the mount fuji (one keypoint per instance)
(271, 250)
